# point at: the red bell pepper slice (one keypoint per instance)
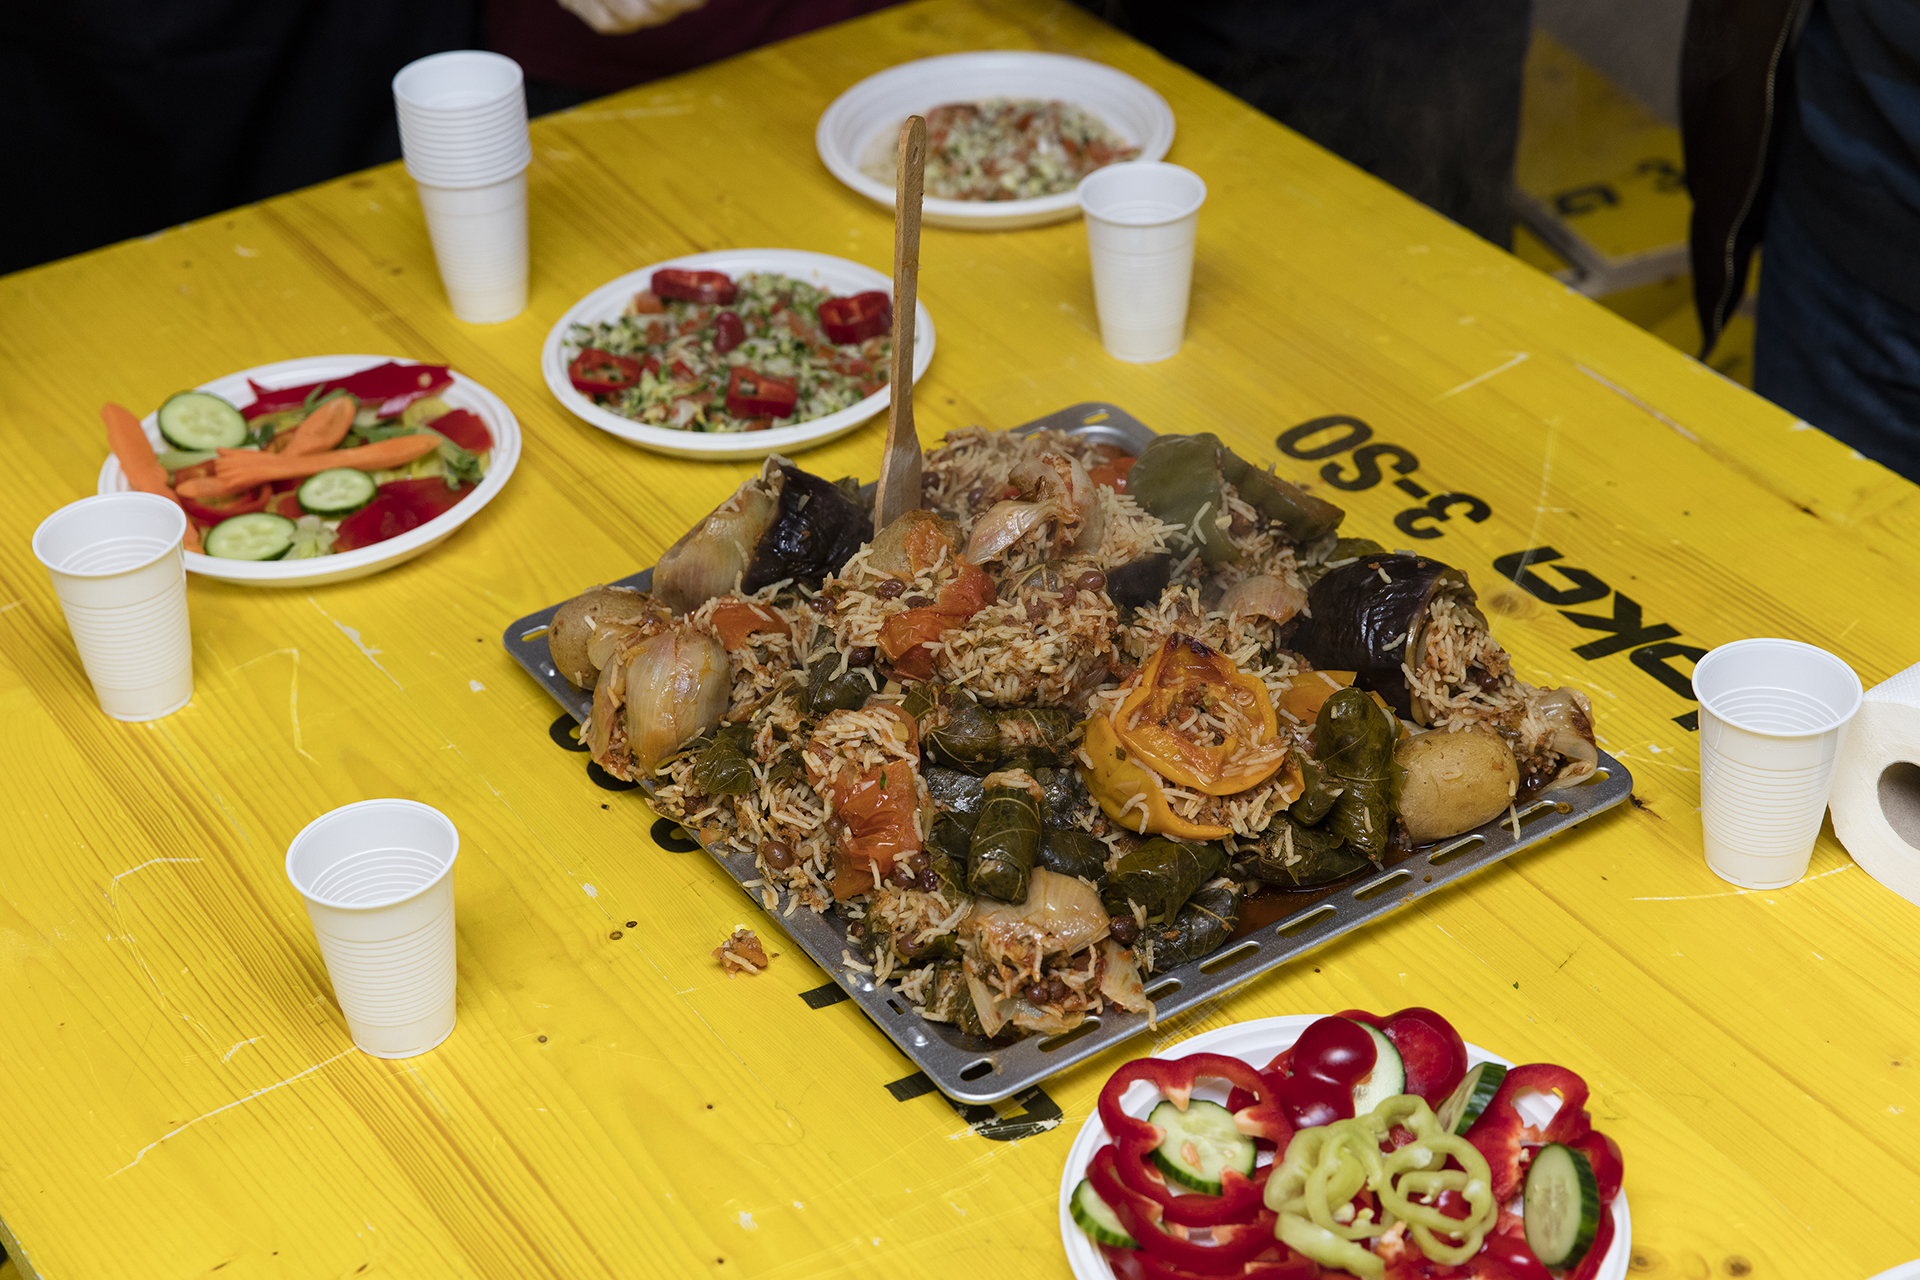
(1596, 1252)
(855, 319)
(385, 517)
(285, 503)
(599, 373)
(759, 395)
(1234, 1244)
(1504, 1137)
(694, 286)
(465, 428)
(1432, 1051)
(729, 331)
(1277, 1263)
(1134, 1139)
(391, 386)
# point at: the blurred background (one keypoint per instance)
(1547, 126)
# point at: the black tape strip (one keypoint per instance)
(910, 1087)
(821, 997)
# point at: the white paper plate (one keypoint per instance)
(869, 115)
(1255, 1043)
(465, 393)
(610, 300)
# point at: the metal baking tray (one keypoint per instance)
(971, 1070)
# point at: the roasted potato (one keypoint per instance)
(573, 627)
(1454, 783)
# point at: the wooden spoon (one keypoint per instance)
(899, 488)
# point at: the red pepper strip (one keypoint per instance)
(855, 319)
(694, 286)
(1603, 1153)
(392, 386)
(1234, 1243)
(1134, 1140)
(1277, 1263)
(595, 372)
(1500, 1134)
(759, 395)
(1597, 1253)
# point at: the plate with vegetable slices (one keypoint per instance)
(737, 353)
(319, 469)
(1270, 1120)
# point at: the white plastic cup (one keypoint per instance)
(377, 878)
(117, 565)
(1141, 222)
(463, 118)
(1773, 717)
(480, 243)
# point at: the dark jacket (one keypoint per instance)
(1735, 78)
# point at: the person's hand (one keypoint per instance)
(618, 17)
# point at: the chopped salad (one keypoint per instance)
(1010, 149)
(1371, 1148)
(309, 471)
(703, 351)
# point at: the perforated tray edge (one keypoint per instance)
(973, 1075)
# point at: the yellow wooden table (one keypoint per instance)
(178, 1095)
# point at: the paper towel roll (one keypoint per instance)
(1876, 787)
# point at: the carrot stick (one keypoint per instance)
(130, 446)
(239, 470)
(137, 461)
(324, 428)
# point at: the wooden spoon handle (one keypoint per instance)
(899, 488)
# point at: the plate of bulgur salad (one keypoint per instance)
(1009, 133)
(737, 353)
(1038, 743)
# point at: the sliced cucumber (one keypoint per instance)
(254, 536)
(1096, 1219)
(1561, 1206)
(1388, 1079)
(337, 492)
(1466, 1103)
(201, 420)
(1202, 1143)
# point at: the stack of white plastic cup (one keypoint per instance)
(1773, 717)
(118, 568)
(1141, 221)
(377, 877)
(463, 131)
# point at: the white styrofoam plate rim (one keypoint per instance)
(465, 393)
(881, 101)
(610, 300)
(1254, 1042)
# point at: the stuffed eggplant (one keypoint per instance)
(1370, 617)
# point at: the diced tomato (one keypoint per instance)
(214, 510)
(759, 395)
(385, 517)
(735, 620)
(729, 331)
(465, 428)
(855, 319)
(646, 303)
(694, 286)
(681, 373)
(1113, 472)
(425, 497)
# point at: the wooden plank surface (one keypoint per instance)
(178, 1093)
